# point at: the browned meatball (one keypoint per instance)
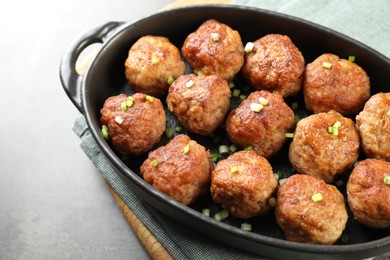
(152, 60)
(374, 126)
(264, 130)
(331, 83)
(214, 48)
(310, 211)
(135, 127)
(317, 151)
(275, 64)
(200, 103)
(368, 193)
(243, 184)
(181, 169)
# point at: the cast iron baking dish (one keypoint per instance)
(105, 78)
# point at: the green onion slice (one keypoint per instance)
(154, 163)
(263, 101)
(234, 169)
(206, 212)
(233, 148)
(281, 181)
(149, 98)
(351, 58)
(246, 226)
(256, 107)
(236, 92)
(189, 83)
(200, 73)
(104, 132)
(316, 197)
(170, 80)
(388, 113)
(387, 180)
(249, 47)
(118, 119)
(178, 129)
(154, 60)
(223, 149)
(327, 65)
(289, 135)
(215, 37)
(231, 84)
(124, 106)
(272, 202)
(249, 148)
(221, 215)
(169, 132)
(186, 149)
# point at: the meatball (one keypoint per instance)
(369, 194)
(310, 211)
(321, 149)
(275, 64)
(243, 184)
(214, 48)
(331, 83)
(200, 103)
(135, 123)
(151, 62)
(265, 129)
(374, 126)
(181, 169)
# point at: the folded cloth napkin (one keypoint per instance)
(366, 21)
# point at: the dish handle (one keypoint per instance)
(71, 78)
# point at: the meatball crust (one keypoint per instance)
(265, 130)
(223, 55)
(305, 219)
(275, 64)
(316, 151)
(243, 184)
(181, 169)
(368, 194)
(200, 103)
(137, 129)
(374, 126)
(150, 63)
(331, 83)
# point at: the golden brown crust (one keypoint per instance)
(184, 176)
(344, 87)
(275, 64)
(201, 107)
(368, 195)
(305, 220)
(265, 130)
(223, 57)
(142, 124)
(150, 62)
(374, 126)
(244, 193)
(315, 151)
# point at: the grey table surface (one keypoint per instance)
(53, 202)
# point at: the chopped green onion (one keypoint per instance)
(387, 180)
(272, 202)
(242, 97)
(388, 113)
(289, 135)
(236, 92)
(296, 118)
(351, 58)
(344, 239)
(118, 119)
(337, 124)
(256, 107)
(178, 129)
(149, 98)
(189, 83)
(124, 106)
(216, 156)
(223, 149)
(278, 175)
(105, 132)
(326, 65)
(263, 101)
(281, 181)
(170, 80)
(130, 98)
(275, 92)
(215, 37)
(169, 132)
(154, 163)
(249, 47)
(221, 215)
(330, 129)
(335, 131)
(233, 148)
(246, 226)
(186, 149)
(234, 169)
(316, 197)
(129, 101)
(154, 60)
(206, 212)
(231, 84)
(249, 148)
(200, 73)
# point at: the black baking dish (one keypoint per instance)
(105, 77)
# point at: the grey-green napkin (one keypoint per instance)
(366, 21)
